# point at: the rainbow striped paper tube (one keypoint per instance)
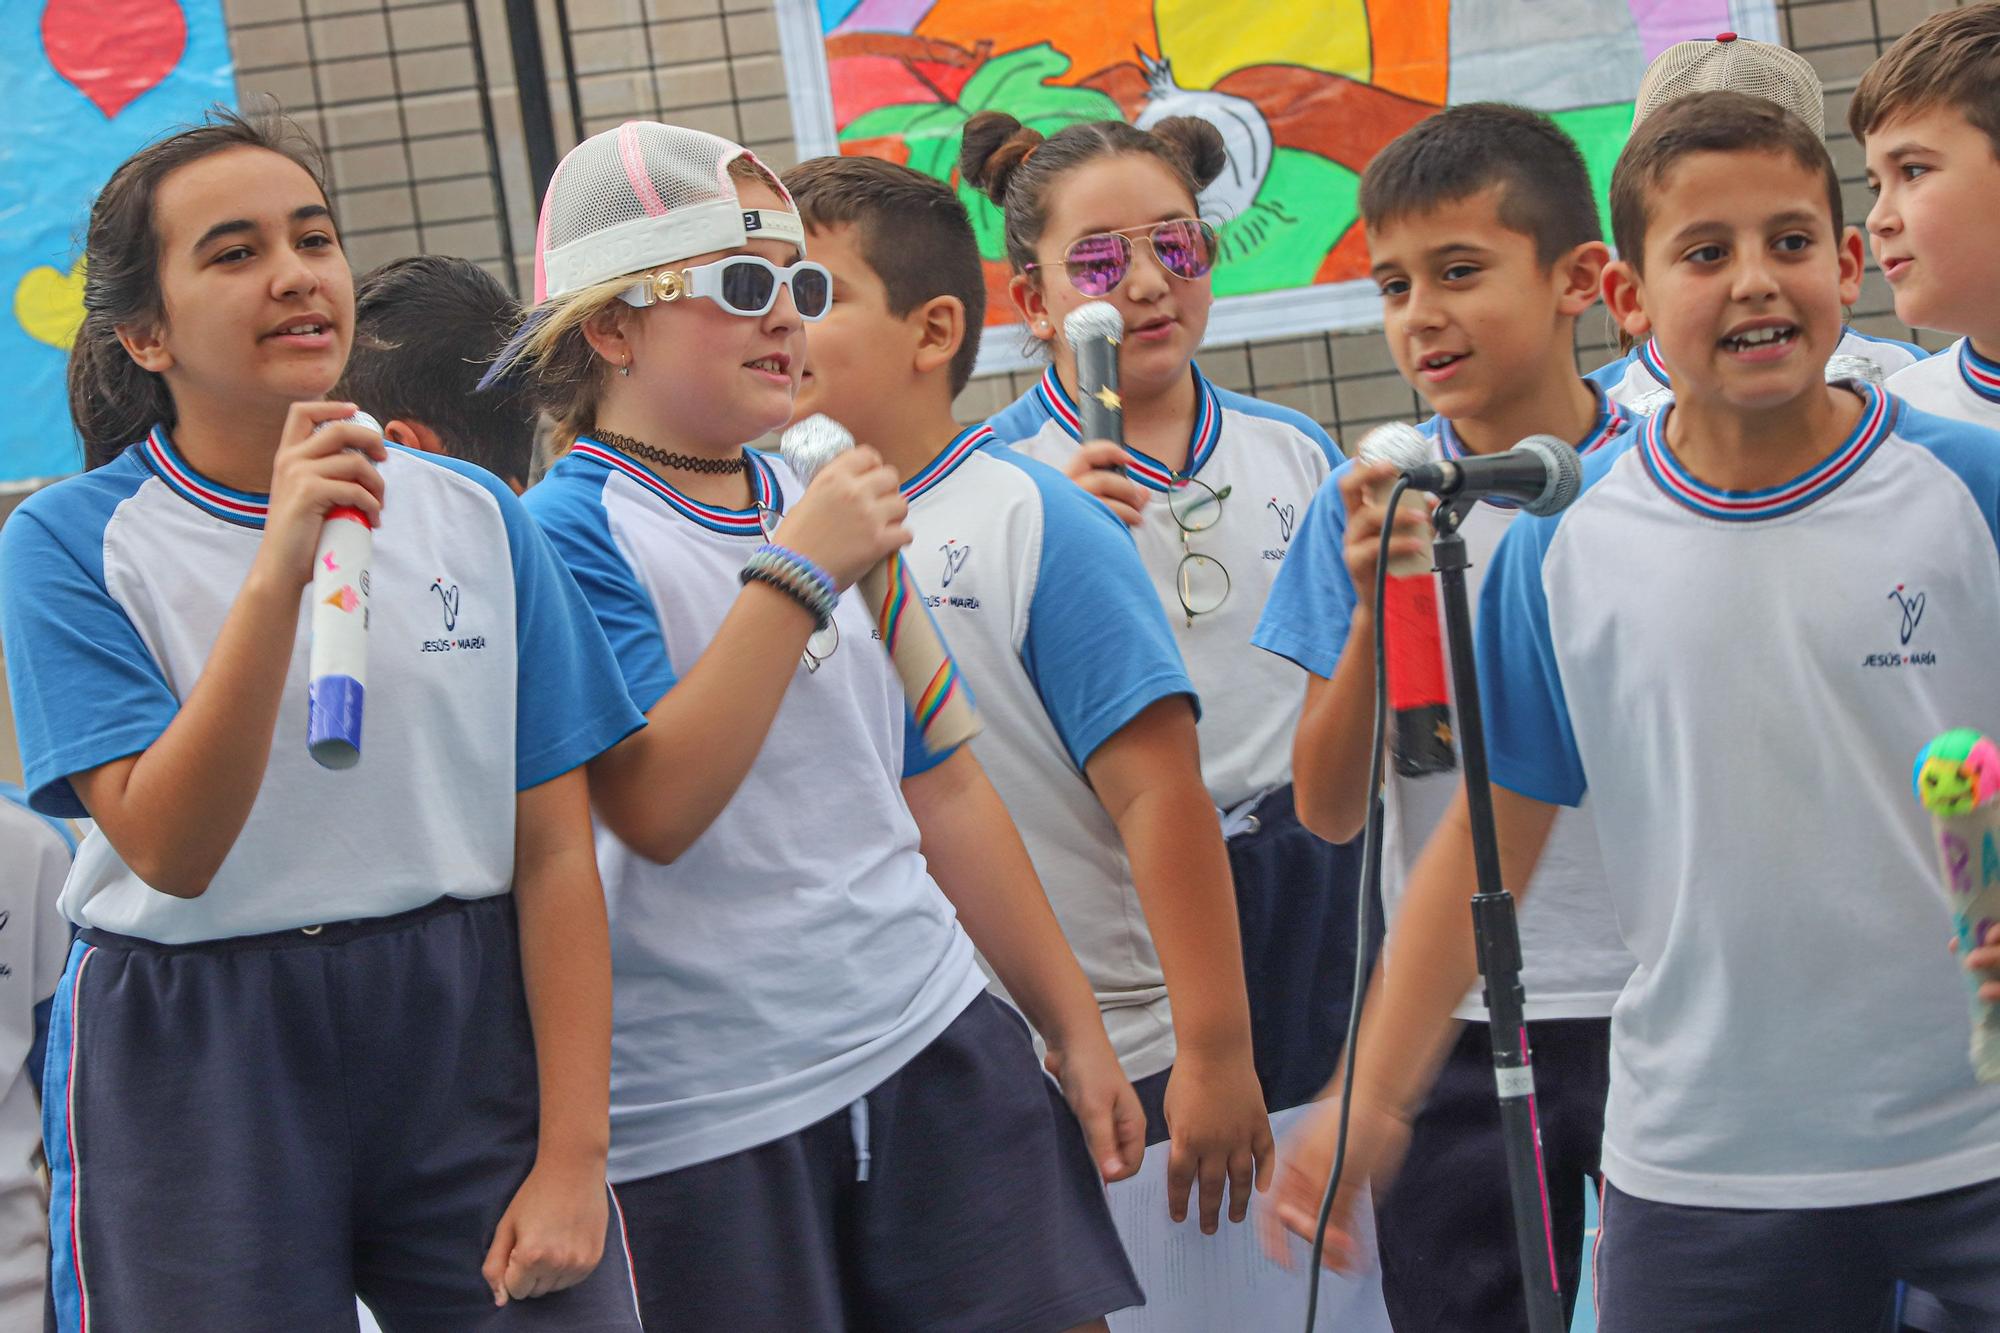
(939, 699)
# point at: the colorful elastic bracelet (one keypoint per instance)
(796, 577)
(805, 568)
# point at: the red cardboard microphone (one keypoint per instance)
(1413, 632)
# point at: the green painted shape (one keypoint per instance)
(1600, 132)
(1306, 203)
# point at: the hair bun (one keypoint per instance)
(993, 149)
(1200, 145)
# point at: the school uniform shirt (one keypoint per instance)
(1041, 595)
(1740, 680)
(798, 953)
(1638, 377)
(1958, 383)
(1573, 962)
(1266, 462)
(487, 675)
(34, 940)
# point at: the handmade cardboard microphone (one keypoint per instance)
(337, 667)
(1958, 780)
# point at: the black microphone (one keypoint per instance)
(1093, 331)
(1541, 472)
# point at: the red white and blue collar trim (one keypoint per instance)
(1143, 468)
(1981, 376)
(242, 507)
(963, 446)
(1649, 357)
(733, 522)
(1611, 422)
(1878, 415)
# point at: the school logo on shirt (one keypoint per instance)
(954, 560)
(447, 599)
(1288, 517)
(955, 555)
(1910, 610)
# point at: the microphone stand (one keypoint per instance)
(1498, 940)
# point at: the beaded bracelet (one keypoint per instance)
(795, 576)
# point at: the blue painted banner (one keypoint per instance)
(92, 80)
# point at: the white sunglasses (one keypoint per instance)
(741, 284)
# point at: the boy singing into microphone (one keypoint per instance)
(1486, 245)
(1928, 113)
(1764, 601)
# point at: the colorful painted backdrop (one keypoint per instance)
(1304, 95)
(91, 80)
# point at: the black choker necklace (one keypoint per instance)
(667, 458)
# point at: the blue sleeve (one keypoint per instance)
(570, 511)
(1016, 421)
(1311, 606)
(570, 705)
(1097, 648)
(1298, 421)
(1530, 748)
(85, 688)
(1971, 452)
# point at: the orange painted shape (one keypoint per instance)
(1411, 40)
(1094, 37)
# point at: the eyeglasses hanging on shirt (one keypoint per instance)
(822, 642)
(1201, 580)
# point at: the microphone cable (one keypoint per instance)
(1371, 887)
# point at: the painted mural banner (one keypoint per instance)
(1303, 94)
(92, 80)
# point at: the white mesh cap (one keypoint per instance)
(642, 195)
(1738, 65)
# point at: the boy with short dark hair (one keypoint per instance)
(1928, 113)
(1760, 69)
(1484, 233)
(1089, 713)
(425, 329)
(1717, 642)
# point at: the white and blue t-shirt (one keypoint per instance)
(797, 953)
(1573, 962)
(1958, 383)
(1049, 612)
(486, 675)
(1266, 462)
(1640, 374)
(1740, 681)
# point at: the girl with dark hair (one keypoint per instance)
(1212, 483)
(323, 1033)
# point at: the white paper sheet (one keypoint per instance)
(1225, 1282)
(1208, 1284)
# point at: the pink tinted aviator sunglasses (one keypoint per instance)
(1097, 263)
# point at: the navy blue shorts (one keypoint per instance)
(248, 1133)
(959, 1194)
(1445, 1228)
(1295, 901)
(1663, 1268)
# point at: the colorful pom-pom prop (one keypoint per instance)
(1958, 778)
(1957, 771)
